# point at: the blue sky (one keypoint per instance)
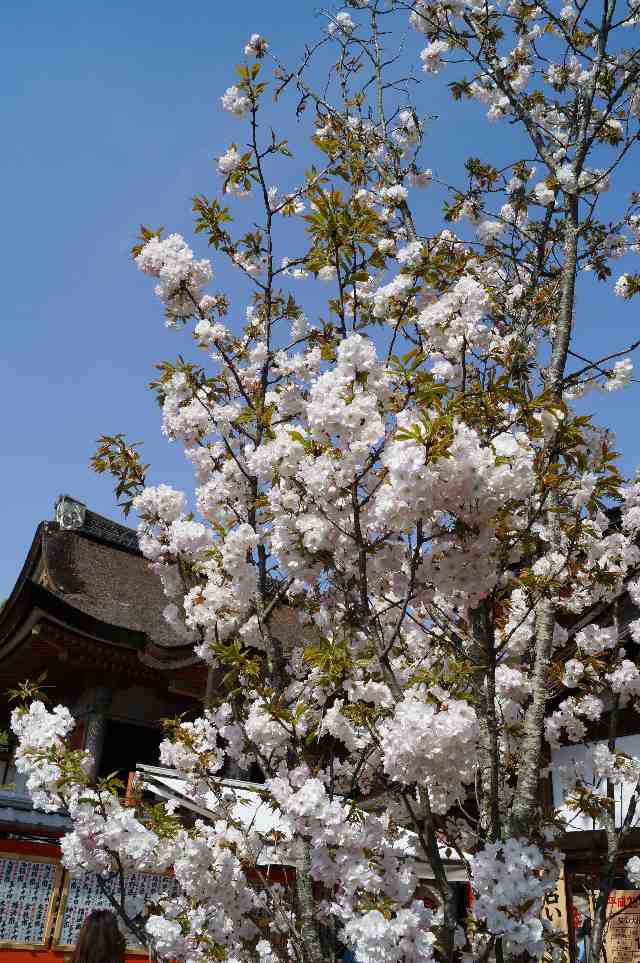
(111, 118)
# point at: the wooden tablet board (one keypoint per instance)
(82, 894)
(29, 888)
(622, 938)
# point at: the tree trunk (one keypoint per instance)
(309, 935)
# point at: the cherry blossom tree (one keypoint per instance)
(400, 514)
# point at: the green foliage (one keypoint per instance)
(211, 215)
(144, 235)
(30, 691)
(122, 460)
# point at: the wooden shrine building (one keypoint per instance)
(87, 611)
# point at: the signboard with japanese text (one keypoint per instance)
(29, 889)
(83, 893)
(555, 911)
(622, 939)
(555, 907)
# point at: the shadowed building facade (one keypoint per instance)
(87, 611)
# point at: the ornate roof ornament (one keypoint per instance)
(69, 513)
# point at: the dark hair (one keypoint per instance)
(99, 940)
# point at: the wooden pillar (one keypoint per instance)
(97, 701)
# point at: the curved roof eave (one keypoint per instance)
(31, 602)
(34, 603)
(10, 612)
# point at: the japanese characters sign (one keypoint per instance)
(28, 889)
(83, 894)
(555, 907)
(622, 941)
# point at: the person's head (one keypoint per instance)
(99, 940)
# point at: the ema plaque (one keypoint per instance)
(28, 891)
(83, 893)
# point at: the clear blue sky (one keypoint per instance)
(111, 118)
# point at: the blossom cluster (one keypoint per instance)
(510, 881)
(399, 525)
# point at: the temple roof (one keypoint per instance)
(99, 570)
(85, 574)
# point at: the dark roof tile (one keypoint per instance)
(98, 569)
(107, 530)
